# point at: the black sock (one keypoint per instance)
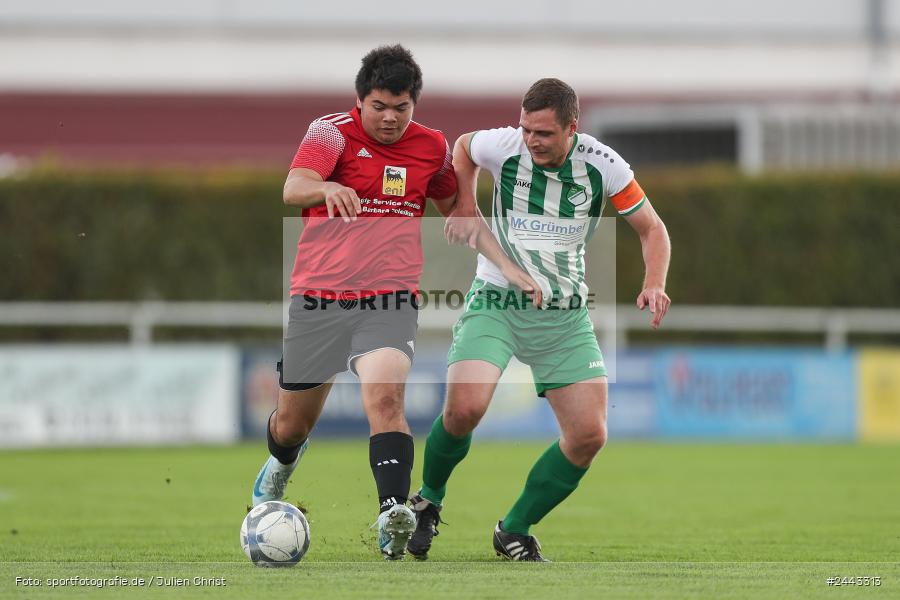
(285, 454)
(391, 458)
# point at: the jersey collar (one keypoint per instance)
(568, 157)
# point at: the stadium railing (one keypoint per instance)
(141, 318)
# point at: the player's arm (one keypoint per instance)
(484, 241)
(305, 188)
(657, 249)
(466, 225)
(445, 206)
(489, 247)
(461, 226)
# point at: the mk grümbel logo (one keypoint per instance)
(537, 225)
(549, 234)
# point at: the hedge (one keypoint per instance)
(805, 240)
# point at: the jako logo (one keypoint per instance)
(523, 183)
(595, 364)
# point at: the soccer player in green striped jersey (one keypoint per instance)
(550, 187)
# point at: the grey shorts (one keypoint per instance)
(325, 336)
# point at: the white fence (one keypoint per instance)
(141, 318)
(780, 136)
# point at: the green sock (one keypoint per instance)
(442, 452)
(551, 480)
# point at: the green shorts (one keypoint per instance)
(559, 345)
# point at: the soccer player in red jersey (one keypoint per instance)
(361, 179)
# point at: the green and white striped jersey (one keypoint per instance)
(543, 217)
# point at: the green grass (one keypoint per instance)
(649, 520)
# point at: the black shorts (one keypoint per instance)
(325, 336)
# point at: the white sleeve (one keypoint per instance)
(489, 148)
(616, 172)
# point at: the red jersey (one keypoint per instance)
(382, 250)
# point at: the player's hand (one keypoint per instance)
(522, 280)
(657, 300)
(462, 226)
(341, 200)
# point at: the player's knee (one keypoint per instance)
(597, 439)
(601, 437)
(589, 443)
(386, 411)
(462, 419)
(288, 430)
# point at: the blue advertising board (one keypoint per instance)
(677, 393)
(755, 394)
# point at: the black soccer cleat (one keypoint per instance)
(428, 516)
(516, 546)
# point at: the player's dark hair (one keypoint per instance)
(555, 94)
(391, 68)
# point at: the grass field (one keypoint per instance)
(649, 520)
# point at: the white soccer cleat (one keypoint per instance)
(273, 478)
(395, 527)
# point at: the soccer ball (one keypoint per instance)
(275, 534)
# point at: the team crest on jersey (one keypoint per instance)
(577, 194)
(394, 181)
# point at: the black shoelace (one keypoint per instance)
(431, 517)
(532, 547)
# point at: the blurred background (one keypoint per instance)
(143, 149)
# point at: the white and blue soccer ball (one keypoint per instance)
(275, 534)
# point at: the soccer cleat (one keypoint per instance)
(516, 546)
(273, 478)
(428, 515)
(395, 526)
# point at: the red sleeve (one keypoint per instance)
(443, 183)
(320, 149)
